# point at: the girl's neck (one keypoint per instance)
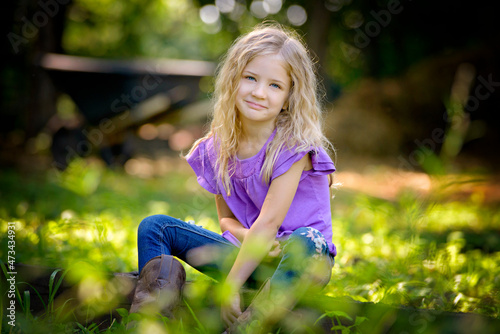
(256, 132)
(252, 139)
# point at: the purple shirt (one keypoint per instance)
(310, 206)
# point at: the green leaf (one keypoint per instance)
(122, 312)
(337, 327)
(81, 327)
(134, 317)
(52, 289)
(27, 303)
(338, 314)
(360, 320)
(321, 317)
(92, 327)
(61, 308)
(201, 328)
(51, 280)
(35, 290)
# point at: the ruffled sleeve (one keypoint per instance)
(200, 161)
(322, 164)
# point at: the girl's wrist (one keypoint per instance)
(230, 288)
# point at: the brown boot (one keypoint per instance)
(159, 286)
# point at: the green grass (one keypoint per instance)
(431, 252)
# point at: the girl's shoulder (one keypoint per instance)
(201, 159)
(321, 162)
(202, 149)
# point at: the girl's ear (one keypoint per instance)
(286, 104)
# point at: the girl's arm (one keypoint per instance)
(228, 221)
(260, 237)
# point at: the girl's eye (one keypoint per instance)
(249, 77)
(275, 86)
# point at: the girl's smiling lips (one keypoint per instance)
(254, 105)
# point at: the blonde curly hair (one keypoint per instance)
(299, 125)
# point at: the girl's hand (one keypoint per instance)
(275, 249)
(230, 309)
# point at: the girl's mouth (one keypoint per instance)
(254, 105)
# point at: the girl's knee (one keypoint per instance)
(313, 240)
(301, 231)
(152, 223)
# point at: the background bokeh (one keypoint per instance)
(396, 73)
(99, 98)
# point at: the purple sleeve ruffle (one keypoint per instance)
(322, 164)
(200, 162)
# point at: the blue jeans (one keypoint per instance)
(213, 255)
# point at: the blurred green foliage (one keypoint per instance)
(352, 39)
(91, 212)
(431, 252)
(156, 28)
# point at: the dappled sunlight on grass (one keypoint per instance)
(415, 251)
(67, 215)
(407, 247)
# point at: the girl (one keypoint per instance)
(264, 159)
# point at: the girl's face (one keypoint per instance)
(263, 91)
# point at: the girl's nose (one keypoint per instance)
(259, 91)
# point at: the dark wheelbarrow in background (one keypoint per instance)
(114, 96)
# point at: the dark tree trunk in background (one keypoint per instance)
(43, 95)
(318, 29)
(29, 98)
